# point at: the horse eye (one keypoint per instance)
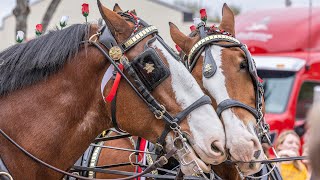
(243, 65)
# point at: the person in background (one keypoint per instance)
(288, 145)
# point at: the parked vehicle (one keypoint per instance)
(285, 44)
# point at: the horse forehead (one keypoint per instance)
(184, 85)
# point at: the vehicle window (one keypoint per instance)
(305, 99)
(277, 89)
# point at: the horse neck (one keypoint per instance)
(59, 116)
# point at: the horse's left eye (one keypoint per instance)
(243, 65)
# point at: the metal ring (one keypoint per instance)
(160, 116)
(130, 159)
(177, 127)
(6, 174)
(94, 36)
(160, 112)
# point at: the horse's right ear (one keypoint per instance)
(179, 38)
(115, 22)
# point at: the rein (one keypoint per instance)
(116, 57)
(159, 163)
(269, 161)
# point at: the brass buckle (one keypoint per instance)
(159, 114)
(94, 37)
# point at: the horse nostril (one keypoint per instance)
(215, 149)
(257, 154)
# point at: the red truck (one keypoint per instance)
(285, 44)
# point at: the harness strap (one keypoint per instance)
(112, 137)
(183, 114)
(159, 163)
(228, 103)
(114, 113)
(115, 85)
(125, 173)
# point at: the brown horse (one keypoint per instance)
(232, 80)
(52, 100)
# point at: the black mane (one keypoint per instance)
(27, 63)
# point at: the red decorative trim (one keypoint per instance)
(115, 85)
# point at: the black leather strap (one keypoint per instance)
(114, 114)
(200, 102)
(106, 38)
(228, 103)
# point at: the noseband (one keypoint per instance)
(209, 68)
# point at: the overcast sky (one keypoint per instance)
(245, 5)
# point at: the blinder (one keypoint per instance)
(147, 71)
(150, 68)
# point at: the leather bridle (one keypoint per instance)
(104, 39)
(208, 38)
(108, 41)
(209, 68)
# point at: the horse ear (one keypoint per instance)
(116, 8)
(178, 37)
(133, 11)
(115, 22)
(227, 22)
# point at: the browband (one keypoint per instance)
(136, 38)
(208, 40)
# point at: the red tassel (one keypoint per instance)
(115, 85)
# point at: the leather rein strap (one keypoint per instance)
(159, 163)
(107, 39)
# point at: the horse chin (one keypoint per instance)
(249, 169)
(191, 163)
(221, 157)
(189, 160)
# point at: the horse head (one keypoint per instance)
(61, 87)
(151, 62)
(225, 69)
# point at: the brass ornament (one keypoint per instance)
(149, 67)
(115, 53)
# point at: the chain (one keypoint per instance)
(185, 150)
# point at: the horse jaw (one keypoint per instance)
(241, 139)
(202, 123)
